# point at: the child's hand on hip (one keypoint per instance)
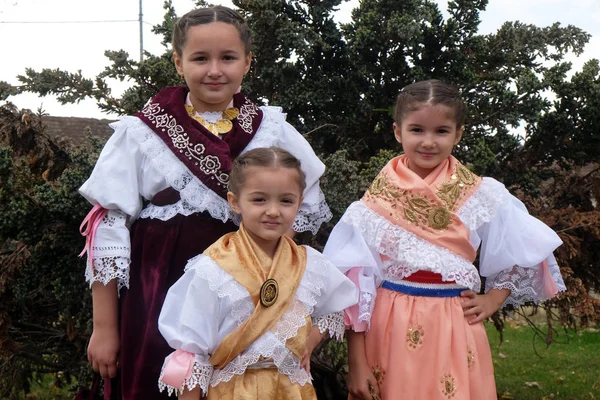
(103, 351)
(314, 338)
(482, 306)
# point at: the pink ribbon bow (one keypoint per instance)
(92, 220)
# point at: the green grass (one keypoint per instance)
(564, 371)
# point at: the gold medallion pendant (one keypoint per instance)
(269, 292)
(220, 127)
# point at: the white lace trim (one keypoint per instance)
(200, 376)
(334, 323)
(196, 196)
(105, 269)
(311, 217)
(366, 302)
(483, 205)
(407, 253)
(272, 344)
(525, 284)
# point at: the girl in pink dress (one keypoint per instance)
(409, 246)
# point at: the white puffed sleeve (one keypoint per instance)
(313, 210)
(335, 292)
(349, 252)
(189, 321)
(121, 177)
(516, 254)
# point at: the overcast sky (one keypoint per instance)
(59, 43)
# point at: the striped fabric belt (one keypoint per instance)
(424, 283)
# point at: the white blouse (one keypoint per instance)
(135, 164)
(324, 292)
(513, 246)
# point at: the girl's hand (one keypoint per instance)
(103, 351)
(314, 338)
(362, 384)
(479, 307)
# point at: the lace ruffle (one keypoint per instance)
(310, 218)
(407, 252)
(365, 307)
(334, 323)
(525, 284)
(105, 269)
(201, 374)
(482, 206)
(272, 344)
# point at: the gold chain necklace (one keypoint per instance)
(220, 127)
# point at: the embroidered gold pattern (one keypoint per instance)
(470, 358)
(414, 336)
(451, 192)
(379, 374)
(419, 210)
(448, 386)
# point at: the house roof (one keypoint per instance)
(74, 127)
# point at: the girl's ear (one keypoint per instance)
(234, 203)
(248, 63)
(397, 133)
(177, 62)
(459, 135)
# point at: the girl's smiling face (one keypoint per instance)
(268, 201)
(428, 135)
(213, 62)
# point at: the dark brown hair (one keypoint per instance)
(432, 92)
(207, 15)
(263, 157)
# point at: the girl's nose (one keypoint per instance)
(428, 141)
(215, 69)
(273, 210)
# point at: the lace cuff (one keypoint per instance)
(200, 376)
(105, 269)
(525, 284)
(334, 323)
(311, 219)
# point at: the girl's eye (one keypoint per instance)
(287, 201)
(200, 58)
(416, 130)
(258, 200)
(229, 58)
(443, 131)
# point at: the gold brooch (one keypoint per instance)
(269, 292)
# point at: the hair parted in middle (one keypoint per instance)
(207, 15)
(432, 92)
(263, 157)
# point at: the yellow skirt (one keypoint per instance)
(261, 384)
(422, 348)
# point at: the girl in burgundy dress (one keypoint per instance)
(159, 191)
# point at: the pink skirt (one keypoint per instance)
(422, 348)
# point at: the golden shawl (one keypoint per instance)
(250, 266)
